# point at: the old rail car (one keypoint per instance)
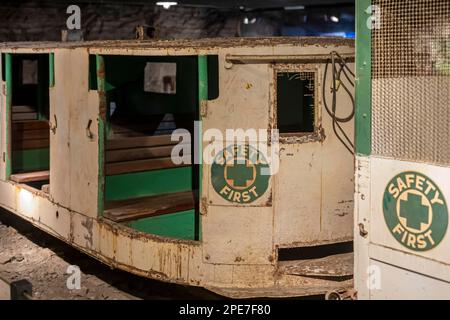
(86, 139)
(402, 239)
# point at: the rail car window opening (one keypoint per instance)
(30, 104)
(160, 77)
(147, 98)
(295, 102)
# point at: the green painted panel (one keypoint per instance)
(180, 225)
(51, 70)
(100, 70)
(8, 78)
(363, 115)
(202, 96)
(30, 160)
(148, 183)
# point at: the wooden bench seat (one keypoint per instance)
(31, 176)
(137, 154)
(31, 134)
(20, 113)
(148, 125)
(139, 208)
(136, 142)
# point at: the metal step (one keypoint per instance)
(339, 265)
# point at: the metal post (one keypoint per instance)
(15, 290)
(202, 100)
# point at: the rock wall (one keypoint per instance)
(43, 21)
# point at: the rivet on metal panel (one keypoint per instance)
(228, 64)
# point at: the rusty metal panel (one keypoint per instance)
(84, 231)
(56, 218)
(297, 201)
(238, 235)
(339, 265)
(309, 208)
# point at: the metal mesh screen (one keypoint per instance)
(411, 80)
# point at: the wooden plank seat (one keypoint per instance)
(137, 154)
(20, 113)
(31, 176)
(147, 125)
(31, 134)
(139, 208)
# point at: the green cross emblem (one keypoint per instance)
(240, 173)
(411, 202)
(414, 211)
(236, 174)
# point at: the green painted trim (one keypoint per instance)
(202, 97)
(30, 160)
(179, 225)
(8, 80)
(100, 64)
(148, 183)
(51, 70)
(363, 113)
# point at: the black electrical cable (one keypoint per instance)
(339, 67)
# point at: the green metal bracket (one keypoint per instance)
(363, 115)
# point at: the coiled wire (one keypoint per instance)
(339, 67)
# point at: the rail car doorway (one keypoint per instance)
(146, 99)
(29, 77)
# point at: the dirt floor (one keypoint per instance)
(28, 253)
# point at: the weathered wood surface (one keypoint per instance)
(31, 176)
(133, 209)
(139, 142)
(140, 166)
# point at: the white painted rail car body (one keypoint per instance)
(99, 176)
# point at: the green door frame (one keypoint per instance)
(100, 68)
(202, 100)
(363, 113)
(8, 112)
